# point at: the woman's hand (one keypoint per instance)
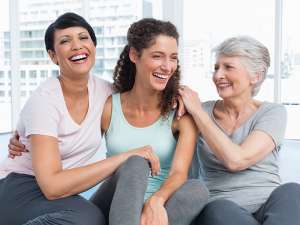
(190, 99)
(154, 212)
(178, 103)
(15, 147)
(147, 153)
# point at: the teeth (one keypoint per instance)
(223, 85)
(79, 57)
(161, 76)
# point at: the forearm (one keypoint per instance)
(226, 151)
(73, 181)
(170, 186)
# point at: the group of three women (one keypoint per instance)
(149, 152)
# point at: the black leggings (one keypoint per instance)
(23, 203)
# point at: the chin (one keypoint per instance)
(82, 73)
(224, 95)
(160, 87)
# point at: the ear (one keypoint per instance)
(133, 55)
(52, 56)
(256, 78)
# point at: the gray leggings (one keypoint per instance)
(121, 197)
(23, 203)
(282, 208)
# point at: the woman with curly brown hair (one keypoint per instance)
(140, 115)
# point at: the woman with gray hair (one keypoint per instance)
(239, 142)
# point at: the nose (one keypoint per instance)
(218, 73)
(167, 65)
(76, 44)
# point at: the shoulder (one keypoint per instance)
(270, 109)
(208, 105)
(106, 114)
(186, 122)
(272, 119)
(104, 85)
(47, 93)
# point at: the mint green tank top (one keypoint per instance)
(122, 136)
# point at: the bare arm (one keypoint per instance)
(56, 182)
(182, 158)
(235, 157)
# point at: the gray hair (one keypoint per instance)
(254, 55)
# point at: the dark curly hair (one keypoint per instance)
(142, 35)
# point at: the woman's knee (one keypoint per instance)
(287, 192)
(134, 166)
(193, 191)
(289, 188)
(187, 202)
(215, 211)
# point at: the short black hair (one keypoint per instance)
(64, 21)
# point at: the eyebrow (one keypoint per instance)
(160, 52)
(66, 35)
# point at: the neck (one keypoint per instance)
(237, 108)
(143, 99)
(73, 88)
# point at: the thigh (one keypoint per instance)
(22, 202)
(128, 199)
(187, 202)
(282, 207)
(225, 212)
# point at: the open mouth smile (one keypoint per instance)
(79, 58)
(160, 76)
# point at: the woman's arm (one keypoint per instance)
(182, 158)
(154, 207)
(235, 157)
(54, 181)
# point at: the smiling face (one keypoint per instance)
(74, 51)
(156, 64)
(232, 79)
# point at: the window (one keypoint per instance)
(54, 73)
(32, 74)
(23, 74)
(44, 73)
(216, 21)
(5, 77)
(290, 79)
(23, 93)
